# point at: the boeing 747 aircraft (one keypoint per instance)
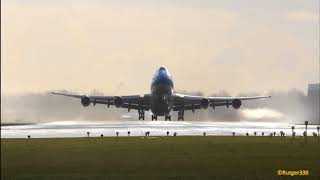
(161, 100)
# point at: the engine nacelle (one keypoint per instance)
(204, 103)
(85, 101)
(236, 103)
(118, 102)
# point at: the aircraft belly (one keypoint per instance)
(161, 99)
(160, 109)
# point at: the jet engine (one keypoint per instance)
(118, 102)
(236, 103)
(204, 103)
(85, 101)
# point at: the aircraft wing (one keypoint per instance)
(187, 102)
(235, 101)
(230, 98)
(139, 102)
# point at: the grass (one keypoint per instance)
(171, 158)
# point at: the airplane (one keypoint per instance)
(162, 99)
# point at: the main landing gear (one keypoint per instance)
(154, 117)
(180, 115)
(141, 114)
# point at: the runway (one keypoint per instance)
(62, 129)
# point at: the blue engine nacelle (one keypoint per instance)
(236, 103)
(85, 101)
(118, 102)
(204, 103)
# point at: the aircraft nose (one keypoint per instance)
(162, 68)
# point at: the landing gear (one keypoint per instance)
(141, 114)
(167, 117)
(180, 115)
(154, 117)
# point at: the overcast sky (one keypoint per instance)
(239, 46)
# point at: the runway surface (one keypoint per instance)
(156, 128)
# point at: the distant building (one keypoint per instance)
(314, 90)
(313, 102)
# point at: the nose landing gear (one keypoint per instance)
(154, 117)
(167, 117)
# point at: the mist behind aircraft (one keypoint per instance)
(287, 107)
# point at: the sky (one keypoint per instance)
(116, 46)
